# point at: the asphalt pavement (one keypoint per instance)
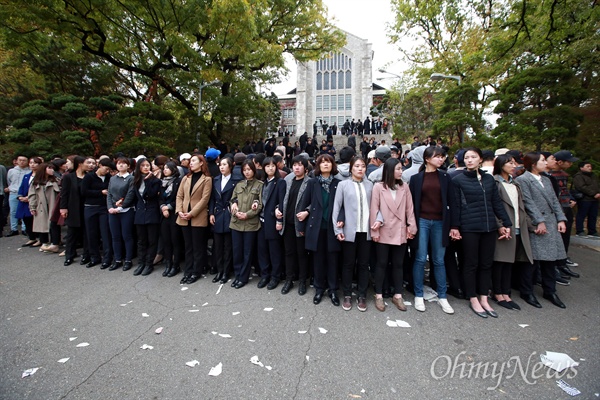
(47, 310)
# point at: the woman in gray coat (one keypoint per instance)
(547, 223)
(513, 248)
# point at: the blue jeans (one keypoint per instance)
(430, 231)
(13, 203)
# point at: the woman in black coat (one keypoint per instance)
(318, 227)
(170, 232)
(220, 217)
(270, 258)
(147, 215)
(478, 207)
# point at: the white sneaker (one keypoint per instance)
(446, 306)
(419, 304)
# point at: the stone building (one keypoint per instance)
(334, 89)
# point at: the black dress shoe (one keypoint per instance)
(531, 300)
(287, 286)
(318, 297)
(213, 271)
(302, 288)
(239, 285)
(139, 269)
(224, 278)
(504, 303)
(116, 265)
(92, 264)
(13, 233)
(217, 277)
(561, 280)
(168, 267)
(273, 284)
(127, 265)
(235, 282)
(192, 278)
(568, 272)
(482, 314)
(84, 260)
(491, 313)
(334, 299)
(553, 298)
(68, 261)
(148, 270)
(183, 280)
(105, 265)
(514, 305)
(262, 283)
(458, 293)
(173, 271)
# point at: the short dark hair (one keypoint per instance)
(583, 163)
(320, 159)
(249, 164)
(301, 160)
(500, 162)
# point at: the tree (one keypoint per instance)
(174, 45)
(539, 106)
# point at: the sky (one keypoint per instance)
(367, 20)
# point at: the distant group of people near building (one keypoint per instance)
(367, 127)
(487, 222)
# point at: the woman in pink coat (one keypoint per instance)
(392, 211)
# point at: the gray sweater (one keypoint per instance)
(120, 188)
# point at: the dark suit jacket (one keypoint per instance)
(273, 200)
(70, 199)
(448, 205)
(312, 224)
(219, 204)
(147, 207)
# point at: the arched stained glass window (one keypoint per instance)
(319, 81)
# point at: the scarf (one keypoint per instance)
(167, 182)
(325, 182)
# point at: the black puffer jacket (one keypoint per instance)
(478, 203)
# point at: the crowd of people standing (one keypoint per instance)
(489, 223)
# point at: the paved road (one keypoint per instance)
(44, 305)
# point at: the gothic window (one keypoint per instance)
(326, 81)
(348, 79)
(319, 81)
(333, 80)
(319, 103)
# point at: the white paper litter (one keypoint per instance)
(145, 315)
(192, 363)
(323, 330)
(235, 313)
(184, 288)
(302, 332)
(363, 391)
(146, 347)
(523, 325)
(205, 304)
(219, 289)
(130, 301)
(251, 340)
(557, 361)
(570, 390)
(72, 338)
(214, 333)
(429, 294)
(397, 324)
(39, 308)
(63, 360)
(83, 344)
(254, 360)
(268, 309)
(216, 370)
(268, 367)
(225, 335)
(74, 329)
(123, 305)
(406, 303)
(158, 331)
(307, 358)
(391, 324)
(29, 372)
(195, 310)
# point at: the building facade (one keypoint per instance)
(334, 89)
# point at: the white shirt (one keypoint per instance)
(224, 180)
(362, 220)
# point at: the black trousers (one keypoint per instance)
(98, 233)
(172, 239)
(478, 248)
(147, 242)
(388, 253)
(223, 252)
(73, 235)
(28, 221)
(566, 236)
(356, 252)
(269, 256)
(325, 265)
(296, 256)
(244, 244)
(53, 236)
(196, 243)
(454, 261)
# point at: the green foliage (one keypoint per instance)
(45, 125)
(146, 145)
(90, 123)
(76, 109)
(77, 142)
(61, 100)
(36, 111)
(20, 136)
